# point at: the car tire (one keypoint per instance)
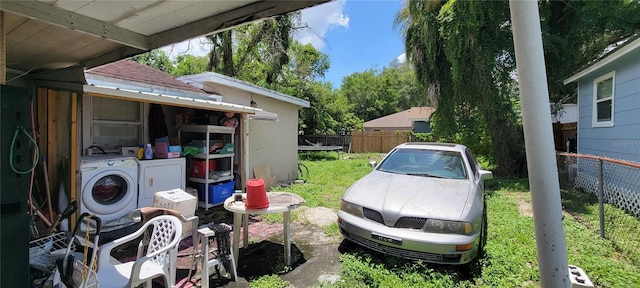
(483, 234)
(474, 267)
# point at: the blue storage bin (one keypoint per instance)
(217, 192)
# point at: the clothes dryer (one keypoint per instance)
(109, 189)
(159, 175)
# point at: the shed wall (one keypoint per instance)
(272, 143)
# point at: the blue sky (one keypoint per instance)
(356, 34)
(369, 40)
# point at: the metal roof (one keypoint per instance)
(43, 35)
(202, 79)
(129, 80)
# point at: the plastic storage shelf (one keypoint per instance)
(209, 133)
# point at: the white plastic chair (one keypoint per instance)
(144, 214)
(162, 250)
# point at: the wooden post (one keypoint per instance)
(73, 157)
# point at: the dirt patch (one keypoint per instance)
(312, 251)
(525, 208)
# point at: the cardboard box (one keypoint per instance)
(217, 192)
(177, 199)
(164, 151)
(198, 168)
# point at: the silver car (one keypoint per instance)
(424, 201)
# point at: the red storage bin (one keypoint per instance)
(197, 168)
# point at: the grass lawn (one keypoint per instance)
(510, 254)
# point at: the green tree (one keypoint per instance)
(366, 93)
(189, 65)
(329, 112)
(399, 82)
(262, 45)
(575, 33)
(462, 53)
(306, 64)
(264, 54)
(374, 94)
(155, 58)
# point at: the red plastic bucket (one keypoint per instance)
(256, 194)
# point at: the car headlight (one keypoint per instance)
(448, 227)
(351, 208)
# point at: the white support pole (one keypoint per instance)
(541, 160)
(246, 154)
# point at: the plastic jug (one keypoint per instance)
(256, 194)
(148, 152)
(140, 154)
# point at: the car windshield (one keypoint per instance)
(425, 162)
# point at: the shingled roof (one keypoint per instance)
(402, 120)
(128, 70)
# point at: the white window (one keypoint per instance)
(114, 123)
(603, 94)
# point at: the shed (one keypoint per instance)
(272, 143)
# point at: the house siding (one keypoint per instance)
(622, 140)
(422, 127)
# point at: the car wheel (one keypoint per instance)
(483, 234)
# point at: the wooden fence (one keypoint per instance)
(384, 141)
(562, 133)
(360, 141)
(377, 141)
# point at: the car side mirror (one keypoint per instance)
(484, 174)
(373, 163)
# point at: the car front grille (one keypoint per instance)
(403, 222)
(402, 253)
(372, 215)
(411, 222)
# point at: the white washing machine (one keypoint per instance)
(159, 175)
(109, 189)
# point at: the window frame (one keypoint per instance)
(88, 123)
(594, 117)
(472, 162)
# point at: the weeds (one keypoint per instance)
(510, 258)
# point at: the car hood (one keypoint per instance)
(397, 195)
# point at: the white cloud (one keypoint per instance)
(402, 58)
(321, 19)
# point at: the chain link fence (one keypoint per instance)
(620, 179)
(616, 185)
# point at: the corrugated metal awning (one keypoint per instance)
(172, 100)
